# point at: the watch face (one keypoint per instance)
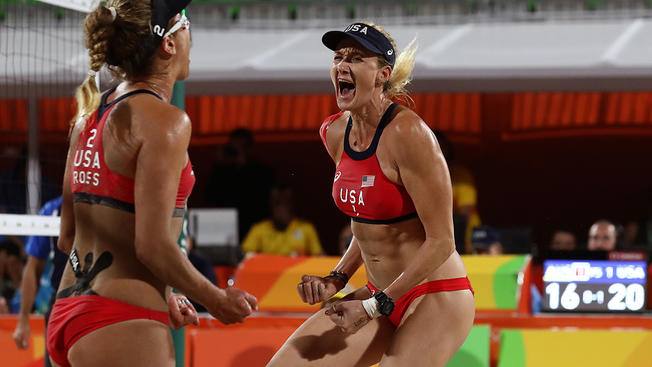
(387, 308)
(385, 304)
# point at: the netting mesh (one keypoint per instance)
(42, 59)
(41, 49)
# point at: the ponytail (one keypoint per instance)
(117, 35)
(98, 27)
(396, 86)
(87, 97)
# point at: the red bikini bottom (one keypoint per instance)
(74, 317)
(442, 285)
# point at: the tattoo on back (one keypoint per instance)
(84, 276)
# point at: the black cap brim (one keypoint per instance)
(162, 12)
(333, 38)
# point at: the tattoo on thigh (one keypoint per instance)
(84, 276)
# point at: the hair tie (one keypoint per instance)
(114, 13)
(92, 73)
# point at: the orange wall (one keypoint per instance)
(256, 340)
(457, 113)
(539, 159)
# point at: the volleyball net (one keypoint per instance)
(42, 60)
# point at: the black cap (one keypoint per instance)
(162, 12)
(368, 36)
(484, 236)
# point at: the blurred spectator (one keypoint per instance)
(239, 181)
(602, 236)
(283, 234)
(634, 235)
(563, 241)
(485, 240)
(11, 265)
(202, 265)
(3, 306)
(41, 277)
(13, 193)
(13, 200)
(465, 196)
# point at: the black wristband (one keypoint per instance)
(339, 275)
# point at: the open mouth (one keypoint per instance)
(346, 88)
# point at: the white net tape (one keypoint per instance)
(29, 225)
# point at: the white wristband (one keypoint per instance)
(371, 306)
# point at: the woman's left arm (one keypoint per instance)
(424, 174)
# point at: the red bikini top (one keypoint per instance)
(92, 180)
(360, 188)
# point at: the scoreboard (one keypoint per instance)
(594, 285)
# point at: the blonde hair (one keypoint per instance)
(124, 43)
(396, 86)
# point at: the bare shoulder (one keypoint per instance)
(332, 133)
(412, 146)
(154, 117)
(337, 126)
(408, 129)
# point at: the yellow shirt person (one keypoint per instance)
(298, 239)
(465, 200)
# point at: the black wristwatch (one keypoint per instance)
(385, 304)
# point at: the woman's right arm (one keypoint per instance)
(315, 289)
(164, 137)
(351, 260)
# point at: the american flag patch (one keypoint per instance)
(368, 181)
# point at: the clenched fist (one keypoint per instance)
(349, 316)
(234, 305)
(182, 312)
(314, 289)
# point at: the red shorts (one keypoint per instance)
(74, 317)
(442, 285)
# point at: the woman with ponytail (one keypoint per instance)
(126, 183)
(391, 179)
